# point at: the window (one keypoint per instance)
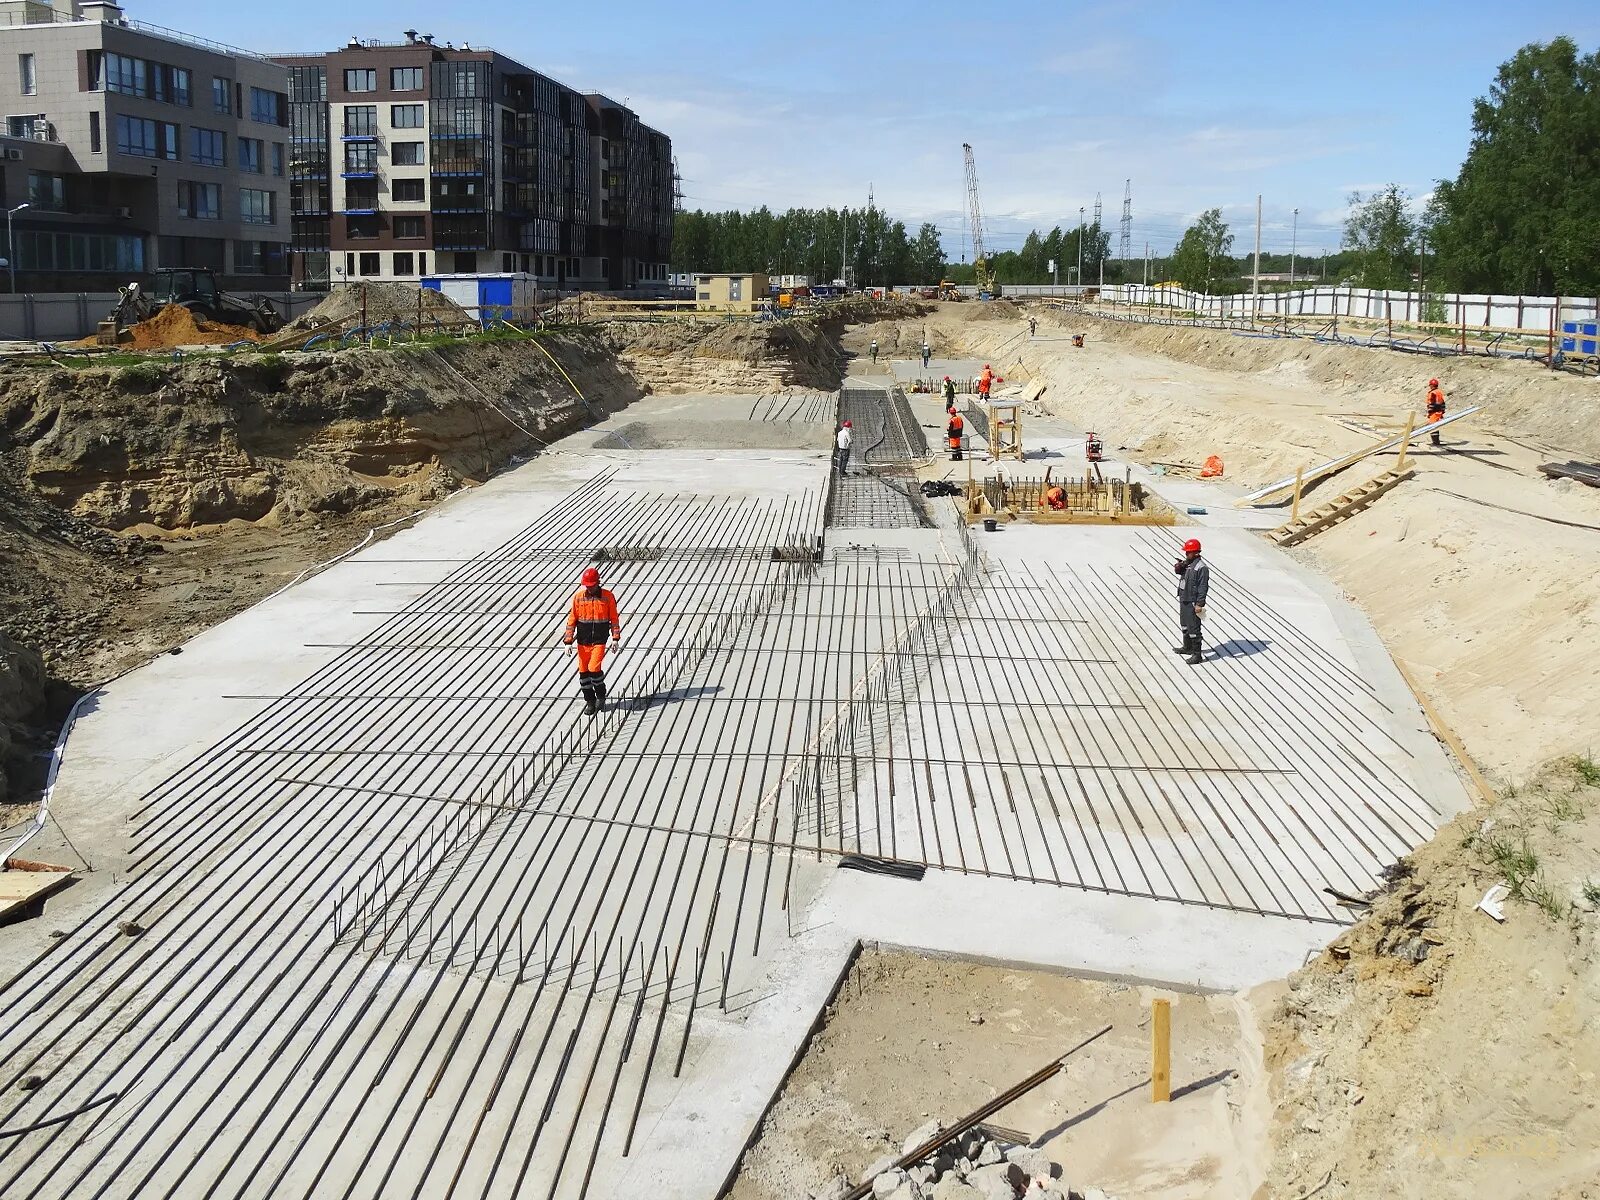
(221, 94)
(405, 79)
(277, 158)
(360, 158)
(365, 226)
(360, 120)
(47, 191)
(410, 227)
(258, 258)
(406, 154)
(250, 155)
(369, 264)
(255, 207)
(408, 191)
(361, 195)
(422, 263)
(365, 80)
(28, 74)
(200, 201)
(402, 263)
(207, 147)
(405, 116)
(125, 75)
(28, 127)
(94, 133)
(266, 106)
(105, 252)
(145, 138)
(173, 84)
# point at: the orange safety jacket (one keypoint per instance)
(1435, 403)
(1056, 498)
(956, 425)
(591, 617)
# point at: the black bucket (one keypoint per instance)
(990, 524)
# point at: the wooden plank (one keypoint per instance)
(18, 889)
(1445, 734)
(1161, 1051)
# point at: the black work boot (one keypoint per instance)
(1186, 648)
(1197, 655)
(600, 694)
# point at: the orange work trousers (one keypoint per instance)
(591, 659)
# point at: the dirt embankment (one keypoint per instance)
(275, 439)
(1432, 1051)
(727, 357)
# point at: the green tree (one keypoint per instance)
(1203, 252)
(1523, 213)
(1382, 234)
(927, 256)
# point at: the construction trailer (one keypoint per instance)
(731, 292)
(491, 297)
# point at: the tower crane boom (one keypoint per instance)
(987, 287)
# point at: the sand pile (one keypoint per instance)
(384, 302)
(174, 326)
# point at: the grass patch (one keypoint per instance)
(1591, 893)
(1513, 858)
(141, 374)
(1585, 769)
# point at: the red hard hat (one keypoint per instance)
(947, 379)
(847, 424)
(1192, 546)
(591, 578)
(1433, 383)
(985, 366)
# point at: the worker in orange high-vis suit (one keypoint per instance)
(985, 382)
(593, 615)
(1435, 407)
(954, 432)
(1056, 498)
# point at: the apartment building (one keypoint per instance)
(413, 158)
(134, 147)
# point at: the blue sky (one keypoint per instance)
(810, 103)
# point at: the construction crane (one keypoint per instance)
(988, 286)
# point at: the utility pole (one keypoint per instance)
(1255, 282)
(1147, 264)
(1080, 245)
(1294, 244)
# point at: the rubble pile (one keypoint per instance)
(972, 1166)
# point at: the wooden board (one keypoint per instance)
(18, 889)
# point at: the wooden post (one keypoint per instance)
(1161, 1051)
(1405, 441)
(1299, 476)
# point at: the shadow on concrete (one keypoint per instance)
(674, 695)
(1239, 648)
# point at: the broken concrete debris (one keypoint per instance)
(974, 1167)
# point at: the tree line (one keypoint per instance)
(1522, 216)
(866, 243)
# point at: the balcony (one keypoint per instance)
(359, 137)
(358, 174)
